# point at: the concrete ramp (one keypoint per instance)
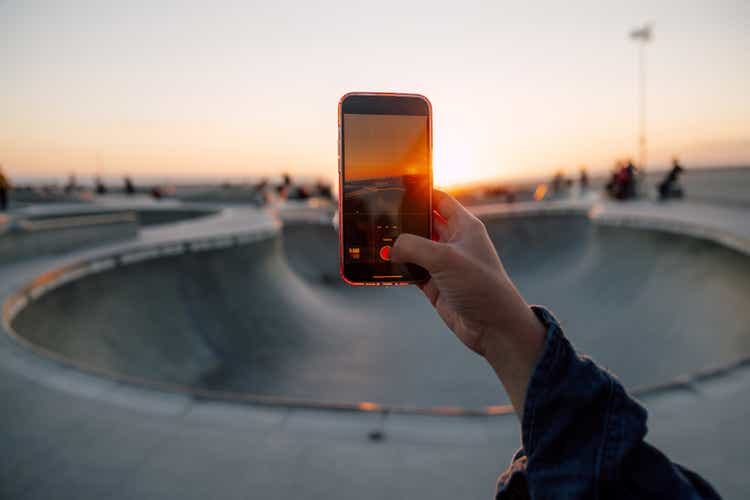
(272, 317)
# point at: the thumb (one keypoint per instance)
(417, 250)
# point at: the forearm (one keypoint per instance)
(583, 435)
(578, 422)
(513, 352)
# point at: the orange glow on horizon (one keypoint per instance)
(384, 146)
(105, 89)
(367, 406)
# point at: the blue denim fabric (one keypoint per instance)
(582, 436)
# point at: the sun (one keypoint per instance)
(453, 163)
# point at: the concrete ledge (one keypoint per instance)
(34, 238)
(57, 277)
(528, 209)
(727, 227)
(149, 213)
(57, 229)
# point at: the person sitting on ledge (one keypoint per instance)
(670, 186)
(582, 435)
(4, 190)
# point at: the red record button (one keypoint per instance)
(385, 252)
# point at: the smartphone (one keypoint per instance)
(385, 183)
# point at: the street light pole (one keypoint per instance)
(642, 36)
(642, 106)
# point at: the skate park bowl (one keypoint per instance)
(266, 319)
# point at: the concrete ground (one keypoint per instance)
(69, 434)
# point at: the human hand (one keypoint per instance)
(473, 294)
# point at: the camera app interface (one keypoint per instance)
(386, 187)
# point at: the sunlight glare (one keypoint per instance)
(452, 163)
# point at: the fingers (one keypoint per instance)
(430, 291)
(431, 255)
(450, 216)
(417, 250)
(446, 205)
(441, 230)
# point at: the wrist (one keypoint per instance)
(512, 350)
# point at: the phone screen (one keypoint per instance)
(387, 185)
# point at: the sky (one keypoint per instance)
(178, 89)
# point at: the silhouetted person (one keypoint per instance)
(284, 189)
(622, 186)
(71, 185)
(611, 186)
(629, 181)
(100, 187)
(299, 193)
(4, 190)
(670, 186)
(156, 193)
(557, 183)
(260, 194)
(324, 190)
(129, 187)
(583, 180)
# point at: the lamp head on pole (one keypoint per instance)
(642, 34)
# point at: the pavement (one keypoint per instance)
(117, 417)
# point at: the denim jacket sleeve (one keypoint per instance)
(582, 436)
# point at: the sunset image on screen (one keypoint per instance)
(386, 167)
(385, 146)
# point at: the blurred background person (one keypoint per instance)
(4, 190)
(670, 187)
(623, 183)
(71, 186)
(100, 187)
(129, 187)
(583, 181)
(286, 184)
(628, 181)
(558, 183)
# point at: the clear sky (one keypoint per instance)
(226, 89)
